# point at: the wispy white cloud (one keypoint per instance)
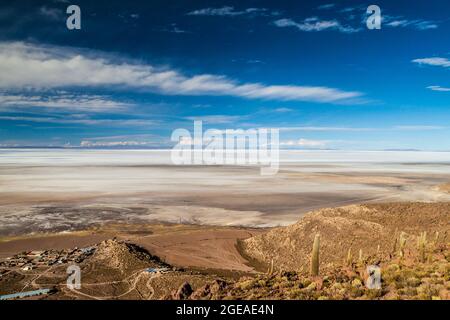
(92, 103)
(401, 22)
(419, 127)
(134, 137)
(317, 128)
(314, 24)
(90, 144)
(133, 140)
(352, 9)
(307, 143)
(217, 119)
(173, 28)
(254, 61)
(438, 88)
(75, 120)
(25, 65)
(51, 13)
(227, 11)
(326, 6)
(435, 61)
(283, 110)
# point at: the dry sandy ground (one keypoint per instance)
(203, 252)
(179, 245)
(445, 187)
(44, 191)
(205, 249)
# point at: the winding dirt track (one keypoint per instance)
(133, 285)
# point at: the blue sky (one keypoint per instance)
(138, 70)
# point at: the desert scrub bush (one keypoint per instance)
(245, 284)
(311, 287)
(427, 291)
(357, 283)
(305, 282)
(262, 283)
(336, 287)
(408, 291)
(294, 293)
(374, 293)
(287, 284)
(396, 281)
(413, 282)
(356, 292)
(327, 281)
(393, 267)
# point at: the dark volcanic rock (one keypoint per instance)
(183, 292)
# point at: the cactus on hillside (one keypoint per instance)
(360, 257)
(315, 256)
(394, 247)
(271, 267)
(402, 243)
(421, 246)
(349, 259)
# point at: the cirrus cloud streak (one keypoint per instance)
(25, 65)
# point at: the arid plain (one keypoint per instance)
(195, 217)
(67, 190)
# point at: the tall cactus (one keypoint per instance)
(360, 257)
(315, 256)
(402, 243)
(394, 247)
(271, 268)
(349, 259)
(421, 245)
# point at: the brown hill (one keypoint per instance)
(124, 256)
(356, 227)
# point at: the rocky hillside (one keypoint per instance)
(124, 256)
(365, 230)
(402, 278)
(404, 246)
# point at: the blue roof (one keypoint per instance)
(24, 294)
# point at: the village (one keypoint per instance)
(20, 272)
(27, 261)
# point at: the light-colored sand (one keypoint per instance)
(445, 187)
